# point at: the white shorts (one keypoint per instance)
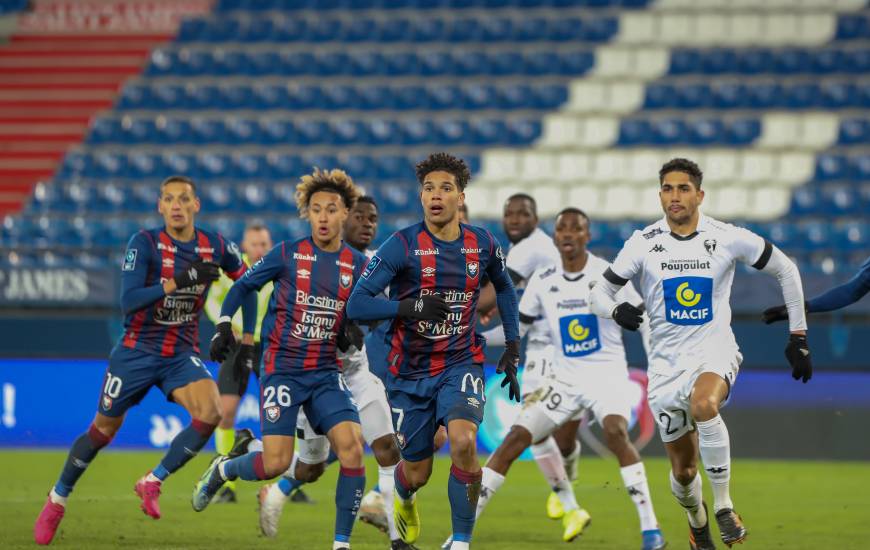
(558, 402)
(538, 367)
(365, 386)
(670, 394)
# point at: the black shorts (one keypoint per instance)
(227, 383)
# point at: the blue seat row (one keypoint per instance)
(435, 62)
(762, 61)
(268, 28)
(761, 95)
(12, 6)
(853, 26)
(109, 197)
(836, 167)
(677, 131)
(241, 165)
(162, 96)
(816, 235)
(854, 131)
(831, 200)
(271, 131)
(323, 5)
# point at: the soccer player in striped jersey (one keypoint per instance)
(433, 270)
(312, 278)
(165, 278)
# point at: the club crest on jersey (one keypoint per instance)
(130, 260)
(273, 413)
(471, 269)
(345, 280)
(688, 300)
(710, 245)
(107, 402)
(579, 334)
(401, 440)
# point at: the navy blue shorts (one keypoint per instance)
(419, 406)
(322, 393)
(133, 372)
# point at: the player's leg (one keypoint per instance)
(231, 388)
(565, 437)
(709, 391)
(615, 428)
(686, 486)
(344, 439)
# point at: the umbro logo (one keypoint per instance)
(658, 248)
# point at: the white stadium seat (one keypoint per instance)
(584, 197)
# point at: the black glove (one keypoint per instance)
(798, 354)
(627, 316)
(349, 335)
(199, 272)
(222, 342)
(507, 364)
(244, 363)
(431, 307)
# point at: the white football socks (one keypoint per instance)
(634, 478)
(489, 484)
(550, 461)
(572, 462)
(715, 448)
(386, 484)
(689, 496)
(56, 498)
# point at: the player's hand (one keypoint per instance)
(508, 365)
(627, 316)
(197, 273)
(349, 336)
(222, 342)
(798, 354)
(431, 307)
(244, 363)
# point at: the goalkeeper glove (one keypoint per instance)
(507, 364)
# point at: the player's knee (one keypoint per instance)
(440, 438)
(350, 453)
(108, 425)
(276, 464)
(615, 434)
(463, 443)
(684, 474)
(517, 440)
(418, 475)
(386, 451)
(704, 408)
(309, 473)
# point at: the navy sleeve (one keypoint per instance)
(231, 259)
(505, 295)
(843, 295)
(365, 302)
(269, 268)
(134, 273)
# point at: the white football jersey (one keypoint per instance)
(686, 287)
(535, 252)
(582, 341)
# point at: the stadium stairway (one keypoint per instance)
(62, 64)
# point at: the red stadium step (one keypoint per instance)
(89, 38)
(71, 115)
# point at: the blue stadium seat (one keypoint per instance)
(742, 131)
(805, 201)
(180, 163)
(783, 234)
(283, 198)
(831, 168)
(685, 61)
(542, 62)
(765, 96)
(109, 198)
(215, 196)
(283, 166)
(860, 167)
(104, 130)
(728, 95)
(668, 131)
(359, 167)
(550, 96)
(815, 235)
(383, 132)
(487, 131)
(856, 61)
(168, 96)
(339, 97)
(109, 165)
(693, 96)
(634, 132)
(791, 61)
(839, 200)
(201, 96)
(852, 236)
(529, 29)
(345, 132)
(417, 131)
(719, 60)
(828, 61)
(136, 130)
(802, 96)
(411, 97)
(312, 132)
(394, 167)
(275, 131)
(522, 131)
(706, 131)
(240, 131)
(854, 131)
(248, 166)
(169, 129)
(852, 26)
(206, 130)
(755, 61)
(141, 198)
(660, 96)
(146, 165)
(312, 161)
(134, 96)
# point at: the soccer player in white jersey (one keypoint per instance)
(686, 265)
(588, 371)
(531, 249)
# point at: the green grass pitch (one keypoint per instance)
(790, 505)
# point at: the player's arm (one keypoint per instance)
(836, 298)
(243, 293)
(366, 302)
(603, 294)
(632, 296)
(234, 267)
(506, 301)
(765, 257)
(134, 273)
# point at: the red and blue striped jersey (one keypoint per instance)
(414, 263)
(168, 325)
(307, 307)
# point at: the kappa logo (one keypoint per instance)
(710, 245)
(658, 248)
(273, 413)
(428, 271)
(471, 269)
(554, 289)
(303, 274)
(308, 257)
(345, 280)
(426, 252)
